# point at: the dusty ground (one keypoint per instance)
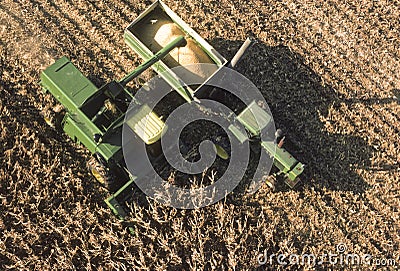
(330, 71)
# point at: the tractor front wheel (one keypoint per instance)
(54, 117)
(101, 173)
(222, 146)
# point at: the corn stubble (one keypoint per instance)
(328, 70)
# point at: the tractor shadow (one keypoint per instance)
(301, 105)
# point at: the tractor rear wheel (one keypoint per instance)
(270, 180)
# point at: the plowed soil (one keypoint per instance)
(330, 71)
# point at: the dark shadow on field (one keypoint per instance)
(302, 106)
(298, 100)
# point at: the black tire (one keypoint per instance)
(270, 180)
(278, 133)
(54, 119)
(221, 142)
(103, 175)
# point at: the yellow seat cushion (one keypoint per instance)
(147, 125)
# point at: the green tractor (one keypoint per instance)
(95, 116)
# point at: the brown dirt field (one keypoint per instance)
(329, 70)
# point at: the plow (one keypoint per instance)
(94, 116)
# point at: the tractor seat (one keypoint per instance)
(147, 125)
